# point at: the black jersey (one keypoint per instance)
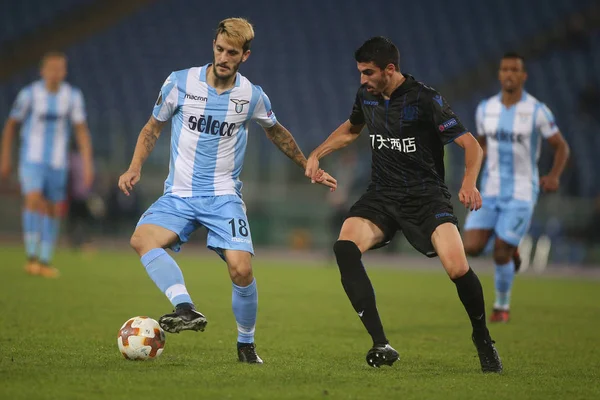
(408, 133)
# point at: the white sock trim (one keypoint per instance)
(245, 330)
(176, 290)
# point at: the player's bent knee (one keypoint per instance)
(455, 264)
(240, 267)
(473, 249)
(241, 274)
(456, 268)
(137, 243)
(474, 242)
(148, 236)
(502, 257)
(458, 271)
(362, 232)
(503, 252)
(34, 202)
(142, 242)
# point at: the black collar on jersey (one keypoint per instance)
(408, 83)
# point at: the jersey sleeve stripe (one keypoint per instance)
(456, 137)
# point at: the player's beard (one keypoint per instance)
(379, 87)
(232, 71)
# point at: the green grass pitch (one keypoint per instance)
(58, 337)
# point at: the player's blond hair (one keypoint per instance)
(236, 30)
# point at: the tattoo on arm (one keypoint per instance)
(283, 139)
(146, 141)
(150, 139)
(150, 133)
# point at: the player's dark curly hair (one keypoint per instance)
(380, 51)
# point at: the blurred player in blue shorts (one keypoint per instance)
(510, 127)
(46, 111)
(210, 108)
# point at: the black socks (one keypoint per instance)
(358, 288)
(470, 293)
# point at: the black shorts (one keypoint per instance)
(417, 218)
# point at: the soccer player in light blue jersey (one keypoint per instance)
(510, 127)
(210, 108)
(47, 111)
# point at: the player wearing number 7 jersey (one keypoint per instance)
(210, 108)
(510, 126)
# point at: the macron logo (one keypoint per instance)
(442, 215)
(193, 97)
(240, 240)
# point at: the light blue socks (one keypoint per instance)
(504, 277)
(166, 274)
(245, 305)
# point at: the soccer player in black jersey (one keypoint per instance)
(409, 123)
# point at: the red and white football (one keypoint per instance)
(141, 338)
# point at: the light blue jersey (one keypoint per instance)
(510, 179)
(209, 131)
(513, 140)
(47, 119)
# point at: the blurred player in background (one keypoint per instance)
(510, 127)
(210, 108)
(409, 123)
(46, 111)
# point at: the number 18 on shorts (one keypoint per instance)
(223, 216)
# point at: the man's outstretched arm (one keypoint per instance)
(345, 134)
(145, 144)
(283, 139)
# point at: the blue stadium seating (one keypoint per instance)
(18, 18)
(303, 56)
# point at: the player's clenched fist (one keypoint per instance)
(128, 180)
(549, 183)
